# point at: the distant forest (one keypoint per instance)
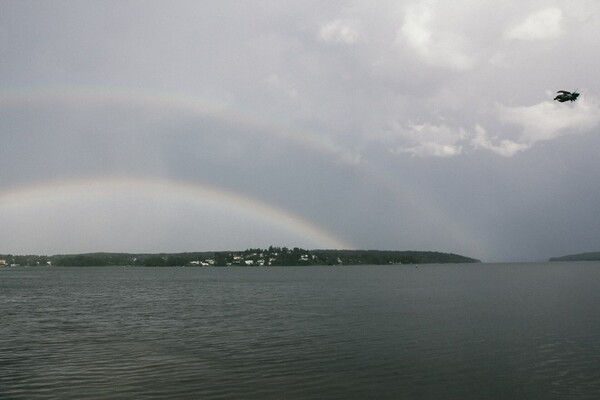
(579, 257)
(273, 256)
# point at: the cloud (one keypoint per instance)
(430, 149)
(545, 24)
(445, 48)
(549, 120)
(338, 31)
(505, 148)
(522, 128)
(538, 123)
(282, 84)
(429, 140)
(329, 88)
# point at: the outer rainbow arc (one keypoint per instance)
(190, 104)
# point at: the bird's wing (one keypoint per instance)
(563, 91)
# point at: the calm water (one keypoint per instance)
(512, 331)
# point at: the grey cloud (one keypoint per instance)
(412, 124)
(545, 24)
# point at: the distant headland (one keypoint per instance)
(273, 256)
(578, 257)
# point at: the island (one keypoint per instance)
(595, 256)
(273, 256)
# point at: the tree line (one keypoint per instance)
(272, 256)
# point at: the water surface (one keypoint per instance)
(470, 331)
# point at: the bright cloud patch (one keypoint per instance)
(338, 31)
(527, 125)
(431, 140)
(504, 147)
(440, 48)
(544, 24)
(540, 122)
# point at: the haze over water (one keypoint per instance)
(493, 331)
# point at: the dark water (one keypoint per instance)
(513, 331)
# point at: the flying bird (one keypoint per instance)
(566, 96)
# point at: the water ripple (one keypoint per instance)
(451, 332)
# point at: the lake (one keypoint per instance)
(460, 331)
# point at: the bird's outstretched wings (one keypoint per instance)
(563, 91)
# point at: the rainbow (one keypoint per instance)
(197, 106)
(203, 204)
(193, 105)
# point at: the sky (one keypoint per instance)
(168, 126)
